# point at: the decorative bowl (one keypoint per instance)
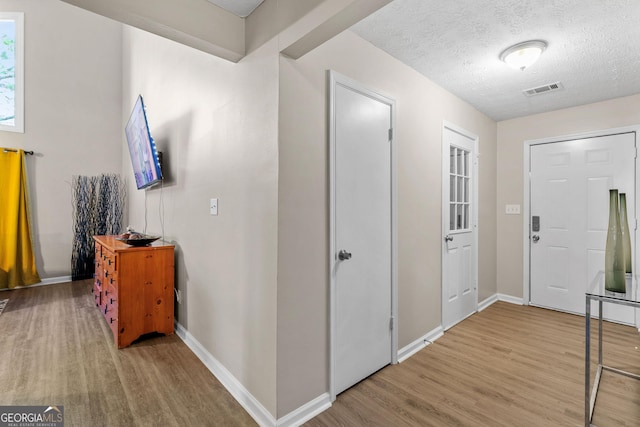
(138, 240)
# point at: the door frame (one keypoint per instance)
(334, 79)
(526, 210)
(445, 210)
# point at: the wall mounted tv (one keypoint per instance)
(142, 149)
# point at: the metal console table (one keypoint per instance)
(597, 293)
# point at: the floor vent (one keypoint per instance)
(543, 89)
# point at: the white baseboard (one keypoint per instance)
(409, 350)
(487, 302)
(499, 297)
(510, 299)
(307, 411)
(255, 409)
(54, 280)
(44, 282)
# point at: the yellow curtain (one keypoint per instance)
(17, 262)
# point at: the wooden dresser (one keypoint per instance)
(133, 288)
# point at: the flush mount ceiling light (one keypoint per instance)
(523, 55)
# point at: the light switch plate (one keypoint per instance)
(213, 207)
(512, 209)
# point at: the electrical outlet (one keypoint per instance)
(179, 296)
(512, 209)
(213, 206)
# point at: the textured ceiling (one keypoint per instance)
(594, 49)
(242, 8)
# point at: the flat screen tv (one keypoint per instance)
(142, 149)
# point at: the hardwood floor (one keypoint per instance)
(56, 349)
(506, 366)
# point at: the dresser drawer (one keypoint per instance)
(110, 275)
(110, 281)
(109, 263)
(97, 296)
(111, 294)
(108, 259)
(99, 267)
(112, 320)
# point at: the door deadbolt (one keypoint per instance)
(535, 223)
(344, 255)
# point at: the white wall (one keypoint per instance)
(303, 310)
(216, 123)
(511, 136)
(72, 115)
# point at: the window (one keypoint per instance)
(11, 71)
(459, 189)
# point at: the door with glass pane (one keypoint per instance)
(459, 253)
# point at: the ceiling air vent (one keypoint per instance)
(543, 89)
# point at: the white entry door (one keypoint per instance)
(459, 216)
(361, 255)
(569, 190)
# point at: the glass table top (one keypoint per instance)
(596, 288)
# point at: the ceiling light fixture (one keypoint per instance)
(523, 55)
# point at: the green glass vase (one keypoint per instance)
(614, 280)
(626, 237)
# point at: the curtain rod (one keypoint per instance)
(10, 150)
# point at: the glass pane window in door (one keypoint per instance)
(452, 160)
(466, 164)
(459, 189)
(466, 190)
(452, 216)
(452, 188)
(466, 216)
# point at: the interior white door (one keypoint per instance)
(459, 257)
(569, 191)
(362, 263)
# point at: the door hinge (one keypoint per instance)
(635, 227)
(391, 322)
(390, 134)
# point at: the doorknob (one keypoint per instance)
(344, 255)
(535, 238)
(448, 238)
